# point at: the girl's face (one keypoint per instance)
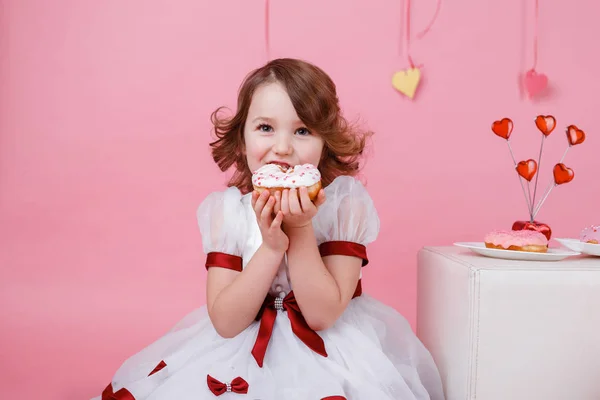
(273, 133)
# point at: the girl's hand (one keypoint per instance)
(270, 227)
(297, 208)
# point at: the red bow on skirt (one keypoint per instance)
(238, 385)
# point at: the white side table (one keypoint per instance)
(511, 330)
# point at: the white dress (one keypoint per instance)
(371, 351)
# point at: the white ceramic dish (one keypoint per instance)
(552, 254)
(577, 245)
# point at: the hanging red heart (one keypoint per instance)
(545, 123)
(503, 128)
(527, 169)
(563, 174)
(575, 135)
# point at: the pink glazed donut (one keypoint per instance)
(521, 240)
(591, 234)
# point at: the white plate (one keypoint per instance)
(577, 245)
(551, 255)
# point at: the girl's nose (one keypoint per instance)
(282, 144)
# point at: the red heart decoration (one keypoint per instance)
(562, 174)
(575, 135)
(527, 169)
(545, 123)
(503, 128)
(533, 226)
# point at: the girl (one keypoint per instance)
(285, 315)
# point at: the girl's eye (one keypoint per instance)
(303, 132)
(264, 128)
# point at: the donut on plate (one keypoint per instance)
(520, 240)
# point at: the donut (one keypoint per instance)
(276, 177)
(591, 234)
(520, 240)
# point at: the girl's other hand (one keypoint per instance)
(269, 222)
(297, 208)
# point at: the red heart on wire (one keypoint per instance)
(562, 174)
(503, 128)
(545, 123)
(575, 135)
(527, 169)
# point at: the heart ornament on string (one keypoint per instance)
(535, 83)
(407, 81)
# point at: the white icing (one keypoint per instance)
(272, 175)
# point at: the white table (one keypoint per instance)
(511, 330)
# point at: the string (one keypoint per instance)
(425, 31)
(267, 25)
(535, 36)
(421, 34)
(407, 26)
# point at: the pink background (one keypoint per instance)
(104, 136)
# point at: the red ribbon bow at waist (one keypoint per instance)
(238, 385)
(300, 328)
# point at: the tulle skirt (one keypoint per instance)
(372, 353)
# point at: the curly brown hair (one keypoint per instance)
(314, 97)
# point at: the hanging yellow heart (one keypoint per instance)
(406, 81)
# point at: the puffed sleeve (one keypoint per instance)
(222, 222)
(347, 222)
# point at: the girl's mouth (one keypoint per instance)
(281, 164)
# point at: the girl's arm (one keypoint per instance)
(324, 286)
(234, 298)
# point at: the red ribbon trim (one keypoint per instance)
(160, 366)
(334, 398)
(222, 260)
(124, 394)
(121, 394)
(343, 248)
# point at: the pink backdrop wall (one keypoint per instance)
(103, 142)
